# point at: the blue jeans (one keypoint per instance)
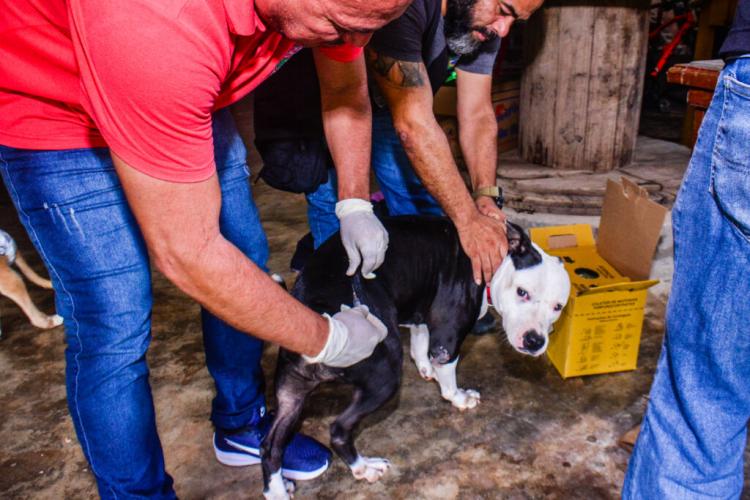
(321, 210)
(74, 210)
(695, 429)
(403, 191)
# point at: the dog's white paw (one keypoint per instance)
(279, 488)
(426, 371)
(465, 399)
(48, 322)
(370, 468)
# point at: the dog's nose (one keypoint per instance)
(532, 341)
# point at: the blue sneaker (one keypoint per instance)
(304, 457)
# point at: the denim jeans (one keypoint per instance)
(321, 210)
(74, 210)
(695, 429)
(403, 191)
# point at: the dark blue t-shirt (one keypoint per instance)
(737, 42)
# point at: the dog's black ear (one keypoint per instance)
(520, 248)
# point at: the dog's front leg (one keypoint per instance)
(418, 348)
(462, 399)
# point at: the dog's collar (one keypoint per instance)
(489, 295)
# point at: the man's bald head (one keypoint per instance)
(325, 22)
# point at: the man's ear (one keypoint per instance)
(520, 248)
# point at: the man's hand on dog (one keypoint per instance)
(363, 235)
(487, 206)
(484, 241)
(352, 336)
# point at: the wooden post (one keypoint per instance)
(582, 85)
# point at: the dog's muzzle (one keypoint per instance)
(532, 341)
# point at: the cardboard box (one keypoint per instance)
(505, 102)
(444, 102)
(506, 85)
(600, 328)
(506, 105)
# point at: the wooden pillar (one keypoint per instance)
(582, 85)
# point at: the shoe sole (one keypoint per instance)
(249, 458)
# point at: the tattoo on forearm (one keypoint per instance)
(400, 73)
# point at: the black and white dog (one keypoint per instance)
(426, 283)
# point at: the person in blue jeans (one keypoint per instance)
(102, 261)
(115, 160)
(694, 432)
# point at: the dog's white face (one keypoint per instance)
(530, 300)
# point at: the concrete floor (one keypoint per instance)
(533, 436)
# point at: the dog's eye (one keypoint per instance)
(558, 307)
(522, 293)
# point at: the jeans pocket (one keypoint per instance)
(730, 175)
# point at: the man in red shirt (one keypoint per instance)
(113, 147)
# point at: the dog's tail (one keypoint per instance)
(30, 273)
(358, 294)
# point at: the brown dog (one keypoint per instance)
(12, 286)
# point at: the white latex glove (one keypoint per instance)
(353, 334)
(364, 237)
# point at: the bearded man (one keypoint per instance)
(409, 59)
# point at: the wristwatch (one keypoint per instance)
(494, 192)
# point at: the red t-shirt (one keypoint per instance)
(139, 76)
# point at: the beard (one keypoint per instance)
(459, 28)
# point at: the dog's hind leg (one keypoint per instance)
(27, 271)
(291, 392)
(366, 400)
(418, 348)
(12, 286)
